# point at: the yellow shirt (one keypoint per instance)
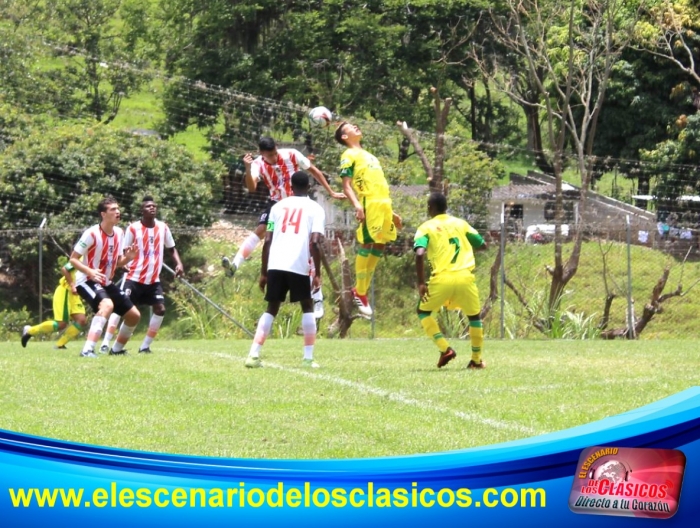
(447, 245)
(368, 179)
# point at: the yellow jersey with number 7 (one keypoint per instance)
(446, 240)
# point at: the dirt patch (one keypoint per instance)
(224, 231)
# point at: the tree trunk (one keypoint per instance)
(343, 293)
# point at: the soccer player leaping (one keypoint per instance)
(366, 187)
(275, 168)
(447, 241)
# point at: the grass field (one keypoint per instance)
(370, 398)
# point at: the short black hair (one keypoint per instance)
(104, 203)
(339, 133)
(147, 198)
(300, 180)
(266, 144)
(438, 201)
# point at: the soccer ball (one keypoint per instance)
(320, 116)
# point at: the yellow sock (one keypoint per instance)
(432, 329)
(372, 260)
(476, 335)
(71, 332)
(43, 328)
(361, 282)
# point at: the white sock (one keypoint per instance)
(111, 329)
(308, 325)
(153, 327)
(96, 327)
(248, 246)
(125, 332)
(261, 333)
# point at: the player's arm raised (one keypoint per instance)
(251, 182)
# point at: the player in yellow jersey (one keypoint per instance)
(366, 187)
(67, 306)
(448, 241)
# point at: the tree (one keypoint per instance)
(61, 173)
(569, 50)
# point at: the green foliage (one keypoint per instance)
(62, 172)
(12, 322)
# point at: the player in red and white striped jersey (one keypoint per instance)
(275, 168)
(142, 284)
(96, 256)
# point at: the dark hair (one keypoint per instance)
(300, 180)
(266, 144)
(339, 133)
(106, 201)
(147, 198)
(438, 201)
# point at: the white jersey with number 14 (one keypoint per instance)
(291, 221)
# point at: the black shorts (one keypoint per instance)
(266, 213)
(280, 282)
(93, 294)
(150, 294)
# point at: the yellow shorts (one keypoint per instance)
(378, 226)
(454, 291)
(65, 304)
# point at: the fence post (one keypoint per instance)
(630, 306)
(41, 269)
(503, 271)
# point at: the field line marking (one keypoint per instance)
(393, 396)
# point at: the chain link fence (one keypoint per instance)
(635, 276)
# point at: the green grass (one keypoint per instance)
(370, 398)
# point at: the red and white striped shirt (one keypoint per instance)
(100, 251)
(278, 177)
(145, 268)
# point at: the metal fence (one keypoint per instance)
(632, 279)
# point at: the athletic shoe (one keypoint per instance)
(104, 349)
(146, 350)
(251, 362)
(362, 303)
(62, 347)
(318, 309)
(26, 336)
(447, 356)
(309, 363)
(473, 365)
(89, 354)
(112, 352)
(229, 266)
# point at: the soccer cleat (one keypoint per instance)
(318, 309)
(88, 353)
(309, 363)
(253, 362)
(229, 267)
(447, 356)
(473, 365)
(62, 347)
(113, 352)
(362, 303)
(26, 336)
(104, 349)
(146, 350)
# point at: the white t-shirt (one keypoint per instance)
(100, 251)
(292, 221)
(278, 177)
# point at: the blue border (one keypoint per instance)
(548, 462)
